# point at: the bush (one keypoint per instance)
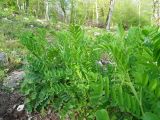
(135, 80)
(64, 75)
(82, 78)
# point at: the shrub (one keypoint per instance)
(68, 75)
(64, 74)
(135, 80)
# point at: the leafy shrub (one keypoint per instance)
(135, 80)
(64, 74)
(67, 74)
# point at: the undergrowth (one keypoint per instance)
(116, 75)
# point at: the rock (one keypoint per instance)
(25, 18)
(3, 59)
(20, 108)
(6, 20)
(13, 80)
(43, 22)
(96, 33)
(32, 26)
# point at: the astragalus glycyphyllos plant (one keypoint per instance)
(71, 76)
(65, 75)
(136, 78)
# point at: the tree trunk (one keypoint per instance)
(62, 3)
(27, 5)
(47, 10)
(97, 15)
(38, 8)
(109, 16)
(156, 12)
(139, 12)
(72, 14)
(18, 5)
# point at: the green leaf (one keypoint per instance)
(150, 116)
(127, 101)
(120, 95)
(145, 80)
(106, 86)
(153, 85)
(157, 92)
(102, 115)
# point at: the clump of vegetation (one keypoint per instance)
(134, 84)
(63, 74)
(70, 76)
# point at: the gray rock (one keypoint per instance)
(96, 33)
(13, 80)
(3, 59)
(6, 20)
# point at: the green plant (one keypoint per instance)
(102, 115)
(135, 80)
(68, 76)
(64, 74)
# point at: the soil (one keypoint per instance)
(8, 108)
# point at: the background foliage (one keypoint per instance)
(126, 12)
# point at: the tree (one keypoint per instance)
(72, 12)
(97, 13)
(27, 5)
(156, 11)
(63, 5)
(47, 10)
(109, 16)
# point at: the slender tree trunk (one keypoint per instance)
(97, 15)
(156, 12)
(72, 15)
(27, 5)
(139, 12)
(38, 8)
(109, 16)
(18, 5)
(62, 3)
(47, 10)
(93, 16)
(86, 8)
(23, 7)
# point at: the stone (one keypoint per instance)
(20, 108)
(13, 80)
(96, 33)
(3, 59)
(6, 20)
